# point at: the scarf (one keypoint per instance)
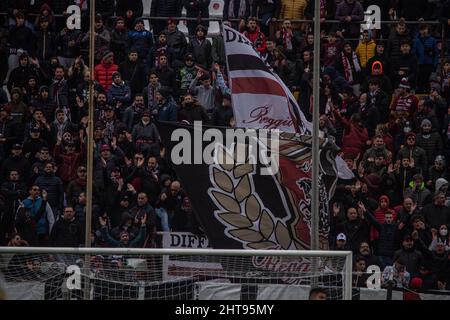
(151, 103)
(287, 40)
(59, 84)
(109, 125)
(241, 12)
(348, 72)
(60, 127)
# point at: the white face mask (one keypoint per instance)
(443, 232)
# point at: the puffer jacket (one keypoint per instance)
(293, 9)
(141, 41)
(355, 136)
(167, 111)
(365, 51)
(103, 74)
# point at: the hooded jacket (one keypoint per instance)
(425, 48)
(103, 74)
(355, 136)
(168, 111)
(69, 162)
(141, 41)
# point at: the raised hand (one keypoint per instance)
(336, 209)
(102, 221)
(114, 143)
(144, 219)
(361, 206)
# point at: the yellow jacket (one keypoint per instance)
(365, 51)
(293, 9)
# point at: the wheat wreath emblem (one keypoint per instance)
(239, 207)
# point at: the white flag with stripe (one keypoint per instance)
(260, 98)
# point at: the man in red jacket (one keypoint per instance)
(255, 36)
(69, 157)
(104, 71)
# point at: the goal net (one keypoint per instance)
(173, 274)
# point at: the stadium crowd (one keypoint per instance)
(385, 100)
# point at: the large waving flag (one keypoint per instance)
(260, 99)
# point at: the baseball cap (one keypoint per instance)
(17, 147)
(341, 237)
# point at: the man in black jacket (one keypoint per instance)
(12, 191)
(177, 41)
(436, 213)
(133, 72)
(67, 230)
(164, 8)
(20, 75)
(119, 40)
(387, 235)
(16, 162)
(409, 255)
(45, 42)
(404, 65)
(20, 37)
(54, 187)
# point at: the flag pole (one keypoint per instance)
(315, 136)
(90, 148)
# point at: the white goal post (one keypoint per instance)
(131, 273)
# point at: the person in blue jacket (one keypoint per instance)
(166, 110)
(426, 51)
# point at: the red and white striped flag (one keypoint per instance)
(260, 98)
